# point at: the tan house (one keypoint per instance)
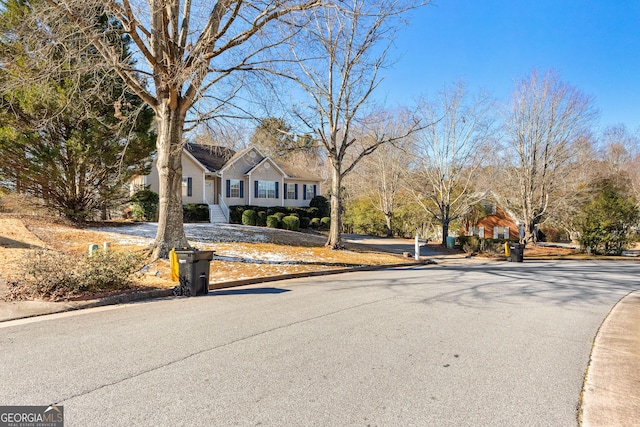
(220, 177)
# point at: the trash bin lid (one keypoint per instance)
(203, 255)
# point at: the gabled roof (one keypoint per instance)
(239, 155)
(265, 160)
(216, 159)
(211, 157)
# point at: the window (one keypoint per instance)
(500, 232)
(266, 190)
(235, 188)
(309, 192)
(476, 231)
(187, 187)
(291, 191)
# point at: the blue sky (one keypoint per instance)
(593, 44)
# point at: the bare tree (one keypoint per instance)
(187, 52)
(381, 178)
(450, 152)
(546, 118)
(347, 45)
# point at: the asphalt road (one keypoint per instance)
(468, 344)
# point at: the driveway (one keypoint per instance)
(499, 344)
(390, 244)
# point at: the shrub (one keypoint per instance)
(57, 276)
(291, 223)
(195, 212)
(144, 205)
(249, 217)
(313, 212)
(261, 219)
(322, 204)
(273, 221)
(235, 214)
(304, 222)
(280, 215)
(325, 223)
(315, 223)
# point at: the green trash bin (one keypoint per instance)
(193, 272)
(451, 242)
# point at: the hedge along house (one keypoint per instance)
(220, 177)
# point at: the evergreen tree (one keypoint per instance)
(606, 223)
(70, 131)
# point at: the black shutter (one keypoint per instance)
(242, 189)
(304, 191)
(256, 189)
(296, 191)
(228, 188)
(284, 190)
(315, 189)
(189, 187)
(277, 185)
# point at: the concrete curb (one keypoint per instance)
(611, 392)
(130, 297)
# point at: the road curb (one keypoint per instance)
(136, 296)
(611, 391)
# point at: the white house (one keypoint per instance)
(220, 177)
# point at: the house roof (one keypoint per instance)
(217, 158)
(210, 156)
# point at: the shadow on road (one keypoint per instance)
(567, 284)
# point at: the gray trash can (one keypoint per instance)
(193, 271)
(516, 252)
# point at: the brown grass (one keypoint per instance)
(233, 261)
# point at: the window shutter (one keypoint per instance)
(315, 189)
(242, 189)
(228, 188)
(189, 187)
(296, 191)
(284, 190)
(481, 233)
(256, 189)
(277, 185)
(304, 191)
(506, 232)
(496, 231)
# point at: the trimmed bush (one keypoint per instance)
(235, 214)
(304, 222)
(322, 204)
(144, 205)
(273, 221)
(195, 212)
(261, 219)
(291, 223)
(325, 223)
(249, 217)
(280, 215)
(315, 223)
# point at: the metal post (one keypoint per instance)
(417, 247)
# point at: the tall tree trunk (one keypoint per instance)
(388, 218)
(445, 220)
(445, 231)
(169, 144)
(335, 241)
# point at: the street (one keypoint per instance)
(460, 344)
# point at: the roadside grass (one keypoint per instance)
(240, 260)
